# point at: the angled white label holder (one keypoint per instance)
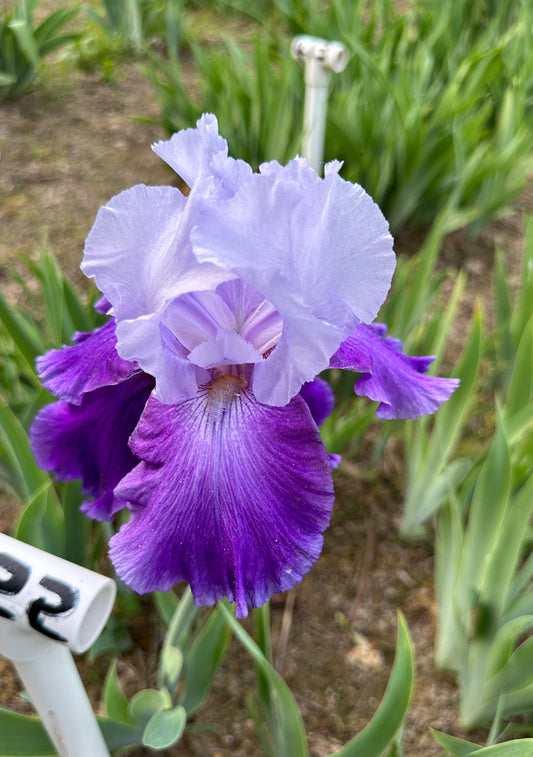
(48, 607)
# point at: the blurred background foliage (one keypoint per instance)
(433, 111)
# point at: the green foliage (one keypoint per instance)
(460, 748)
(430, 443)
(135, 23)
(285, 735)
(433, 465)
(484, 566)
(484, 573)
(432, 112)
(256, 96)
(189, 659)
(434, 107)
(375, 738)
(23, 45)
(51, 519)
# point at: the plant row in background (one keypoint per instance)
(433, 112)
(25, 42)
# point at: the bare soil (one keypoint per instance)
(66, 149)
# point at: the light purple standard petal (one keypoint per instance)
(92, 362)
(201, 153)
(232, 497)
(139, 251)
(90, 440)
(389, 377)
(318, 250)
(190, 151)
(140, 255)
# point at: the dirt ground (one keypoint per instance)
(65, 150)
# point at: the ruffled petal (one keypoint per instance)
(340, 263)
(322, 277)
(91, 363)
(190, 152)
(232, 497)
(90, 440)
(139, 251)
(201, 152)
(140, 255)
(389, 377)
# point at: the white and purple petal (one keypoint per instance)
(232, 497)
(397, 381)
(90, 440)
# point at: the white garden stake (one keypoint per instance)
(49, 606)
(320, 58)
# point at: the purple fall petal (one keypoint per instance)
(91, 363)
(232, 497)
(90, 440)
(319, 396)
(389, 377)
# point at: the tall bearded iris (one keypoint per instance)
(196, 405)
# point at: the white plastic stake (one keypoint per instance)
(49, 606)
(320, 58)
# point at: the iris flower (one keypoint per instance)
(196, 405)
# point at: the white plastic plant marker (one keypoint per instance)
(320, 58)
(49, 606)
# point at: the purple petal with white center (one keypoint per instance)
(320, 398)
(232, 497)
(90, 440)
(91, 363)
(318, 250)
(395, 380)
